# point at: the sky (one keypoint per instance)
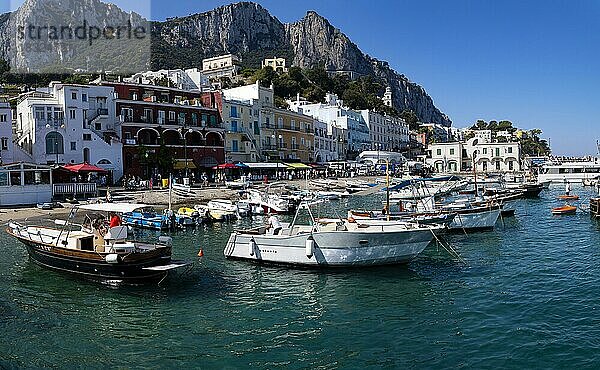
(535, 63)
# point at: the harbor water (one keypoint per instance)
(525, 298)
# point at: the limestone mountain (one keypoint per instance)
(246, 29)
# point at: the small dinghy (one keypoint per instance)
(568, 197)
(564, 210)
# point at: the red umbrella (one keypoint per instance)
(225, 166)
(83, 167)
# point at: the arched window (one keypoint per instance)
(54, 143)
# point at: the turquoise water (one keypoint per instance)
(526, 298)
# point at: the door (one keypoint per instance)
(86, 155)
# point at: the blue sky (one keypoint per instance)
(535, 63)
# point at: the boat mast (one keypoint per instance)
(475, 172)
(170, 190)
(387, 192)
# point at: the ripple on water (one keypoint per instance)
(525, 298)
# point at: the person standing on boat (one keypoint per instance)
(115, 220)
(275, 224)
(568, 188)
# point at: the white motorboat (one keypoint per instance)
(270, 203)
(244, 209)
(472, 217)
(332, 243)
(222, 209)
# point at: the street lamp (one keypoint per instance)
(184, 131)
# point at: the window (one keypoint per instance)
(54, 143)
(234, 126)
(4, 143)
(234, 146)
(280, 122)
(72, 113)
(498, 165)
(171, 116)
(73, 145)
(84, 97)
(498, 152)
(161, 117)
(439, 152)
(87, 137)
(510, 165)
(451, 151)
(39, 113)
(484, 150)
(74, 95)
(293, 125)
(510, 150)
(2, 117)
(213, 121)
(233, 112)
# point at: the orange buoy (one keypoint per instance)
(201, 253)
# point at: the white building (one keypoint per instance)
(278, 64)
(325, 144)
(6, 132)
(336, 115)
(221, 66)
(189, 79)
(487, 156)
(66, 124)
(386, 132)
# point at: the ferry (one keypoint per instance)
(570, 172)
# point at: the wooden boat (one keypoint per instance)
(568, 197)
(144, 216)
(564, 210)
(93, 251)
(186, 216)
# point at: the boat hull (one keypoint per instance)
(477, 220)
(93, 266)
(331, 249)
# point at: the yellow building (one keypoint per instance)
(291, 136)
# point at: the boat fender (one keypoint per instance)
(113, 258)
(251, 247)
(310, 247)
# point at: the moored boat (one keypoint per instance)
(564, 210)
(332, 244)
(144, 216)
(94, 251)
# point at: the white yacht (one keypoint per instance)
(570, 171)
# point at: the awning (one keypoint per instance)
(83, 167)
(267, 165)
(180, 164)
(226, 166)
(298, 166)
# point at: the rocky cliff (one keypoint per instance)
(246, 29)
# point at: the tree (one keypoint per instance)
(4, 69)
(265, 76)
(411, 118)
